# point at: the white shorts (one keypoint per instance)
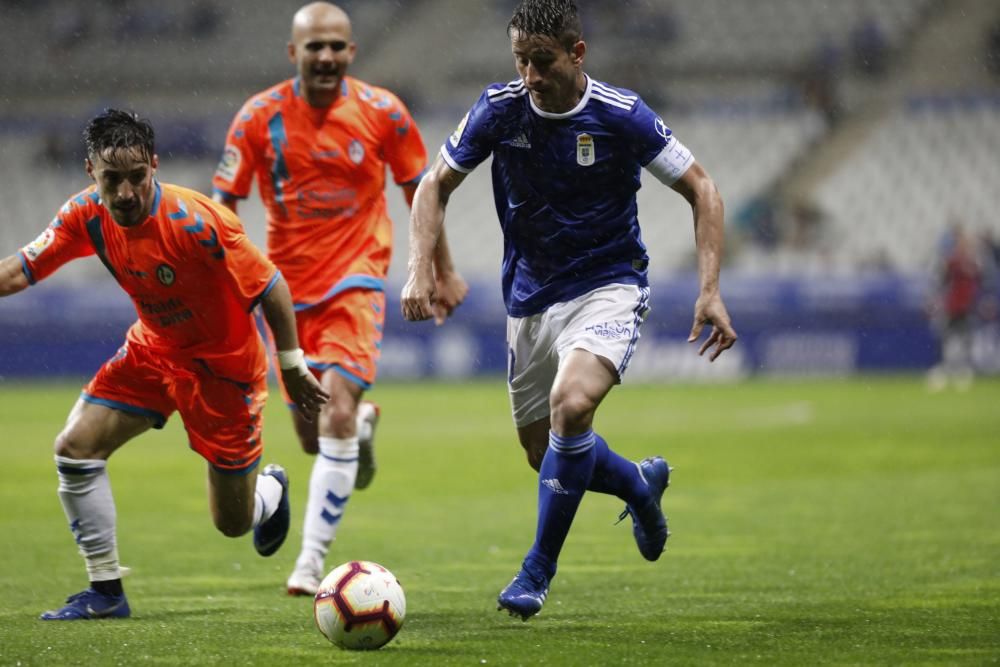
(604, 322)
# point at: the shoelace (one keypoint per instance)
(621, 517)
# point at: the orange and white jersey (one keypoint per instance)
(190, 270)
(321, 175)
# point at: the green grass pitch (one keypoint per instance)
(828, 521)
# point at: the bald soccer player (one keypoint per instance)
(318, 145)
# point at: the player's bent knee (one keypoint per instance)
(72, 445)
(339, 417)
(571, 411)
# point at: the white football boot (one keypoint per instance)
(306, 577)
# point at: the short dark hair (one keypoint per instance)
(117, 130)
(559, 19)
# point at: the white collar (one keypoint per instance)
(566, 114)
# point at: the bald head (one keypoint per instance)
(319, 16)
(321, 49)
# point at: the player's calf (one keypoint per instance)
(367, 420)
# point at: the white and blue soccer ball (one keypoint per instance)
(359, 605)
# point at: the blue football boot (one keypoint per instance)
(270, 534)
(90, 605)
(649, 525)
(525, 594)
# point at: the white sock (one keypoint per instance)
(266, 498)
(330, 487)
(85, 493)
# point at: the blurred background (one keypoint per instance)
(856, 144)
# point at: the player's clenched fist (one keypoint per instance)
(418, 297)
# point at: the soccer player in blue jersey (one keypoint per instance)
(567, 154)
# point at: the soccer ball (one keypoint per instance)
(359, 605)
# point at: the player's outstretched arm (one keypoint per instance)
(699, 190)
(307, 394)
(12, 278)
(419, 294)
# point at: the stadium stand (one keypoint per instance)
(846, 138)
(934, 160)
(726, 75)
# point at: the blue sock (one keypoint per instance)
(565, 473)
(616, 475)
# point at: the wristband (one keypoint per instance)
(289, 359)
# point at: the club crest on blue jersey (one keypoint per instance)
(356, 151)
(585, 150)
(165, 275)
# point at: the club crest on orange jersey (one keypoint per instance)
(584, 150)
(165, 274)
(356, 152)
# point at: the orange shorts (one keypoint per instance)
(343, 334)
(222, 417)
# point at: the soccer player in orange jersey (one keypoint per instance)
(318, 145)
(194, 278)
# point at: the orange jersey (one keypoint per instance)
(321, 175)
(190, 270)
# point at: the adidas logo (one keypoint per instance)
(521, 141)
(555, 486)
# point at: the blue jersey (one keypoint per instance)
(564, 186)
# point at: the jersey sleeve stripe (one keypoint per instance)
(613, 102)
(26, 269)
(512, 87)
(508, 95)
(611, 92)
(451, 162)
(267, 290)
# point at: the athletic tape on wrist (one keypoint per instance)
(289, 359)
